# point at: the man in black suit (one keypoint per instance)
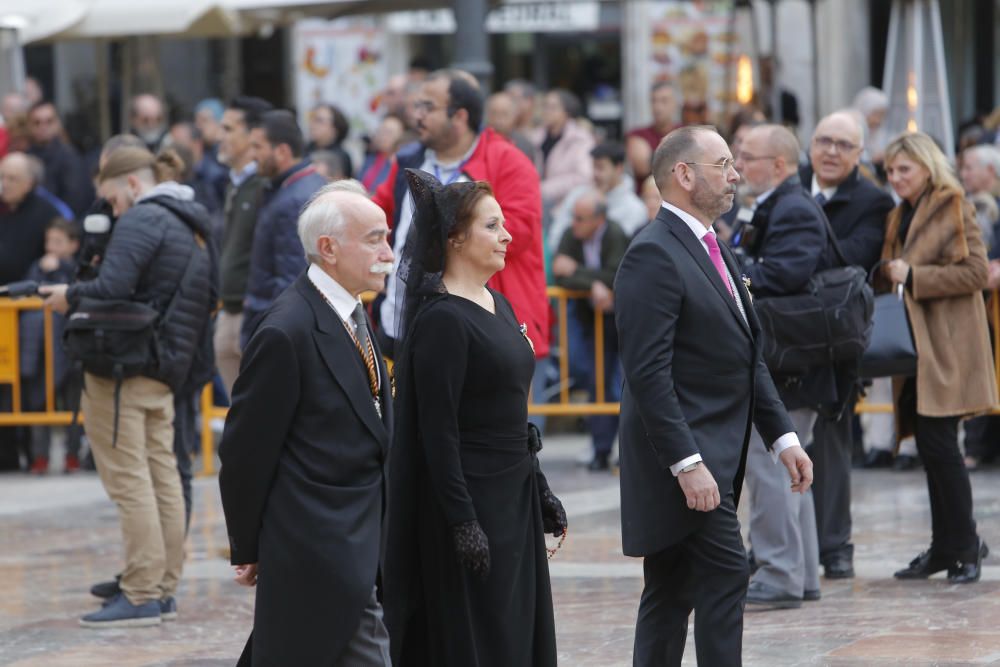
(305, 445)
(785, 244)
(856, 209)
(694, 383)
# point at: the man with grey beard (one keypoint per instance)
(305, 447)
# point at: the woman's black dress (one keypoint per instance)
(461, 454)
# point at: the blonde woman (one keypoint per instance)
(933, 248)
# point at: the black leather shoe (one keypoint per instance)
(906, 462)
(811, 596)
(923, 566)
(107, 589)
(877, 458)
(969, 573)
(598, 464)
(764, 597)
(838, 568)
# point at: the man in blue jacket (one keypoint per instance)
(277, 257)
(786, 243)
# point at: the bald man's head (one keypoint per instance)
(501, 113)
(768, 155)
(148, 119)
(590, 212)
(17, 178)
(835, 149)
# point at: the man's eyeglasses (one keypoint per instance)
(425, 107)
(725, 165)
(841, 145)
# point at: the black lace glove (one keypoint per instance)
(553, 514)
(472, 547)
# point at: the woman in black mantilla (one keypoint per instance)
(465, 574)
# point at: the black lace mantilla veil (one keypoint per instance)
(435, 208)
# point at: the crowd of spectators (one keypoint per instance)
(573, 198)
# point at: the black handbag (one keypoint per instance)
(830, 322)
(891, 350)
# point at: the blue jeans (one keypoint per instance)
(580, 335)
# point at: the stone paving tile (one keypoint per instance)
(59, 535)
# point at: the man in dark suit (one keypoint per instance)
(694, 383)
(304, 449)
(856, 209)
(785, 244)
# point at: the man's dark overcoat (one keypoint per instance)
(303, 479)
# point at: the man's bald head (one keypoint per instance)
(693, 170)
(501, 113)
(835, 149)
(768, 155)
(17, 178)
(590, 212)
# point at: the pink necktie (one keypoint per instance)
(716, 256)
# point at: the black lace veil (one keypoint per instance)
(435, 212)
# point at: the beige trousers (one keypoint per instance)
(227, 347)
(140, 476)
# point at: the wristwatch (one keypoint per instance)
(689, 467)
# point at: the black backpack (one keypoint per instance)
(829, 322)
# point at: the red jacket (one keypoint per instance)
(515, 183)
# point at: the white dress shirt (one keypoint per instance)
(816, 189)
(699, 230)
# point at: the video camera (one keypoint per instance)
(21, 288)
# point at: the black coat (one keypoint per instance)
(145, 261)
(694, 381)
(303, 479)
(857, 211)
(66, 174)
(22, 236)
(792, 245)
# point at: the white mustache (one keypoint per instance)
(381, 267)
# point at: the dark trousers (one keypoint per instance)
(185, 436)
(707, 572)
(833, 443)
(953, 530)
(982, 437)
(580, 336)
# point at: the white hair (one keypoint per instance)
(870, 99)
(988, 156)
(321, 216)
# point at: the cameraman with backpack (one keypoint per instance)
(149, 310)
(784, 245)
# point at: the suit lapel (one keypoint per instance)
(700, 256)
(343, 361)
(741, 289)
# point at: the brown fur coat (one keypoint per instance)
(945, 304)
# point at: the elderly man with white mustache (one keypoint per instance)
(305, 448)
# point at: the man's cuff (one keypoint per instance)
(683, 463)
(783, 443)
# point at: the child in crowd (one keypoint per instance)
(58, 265)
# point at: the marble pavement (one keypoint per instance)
(60, 534)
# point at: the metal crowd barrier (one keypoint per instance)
(10, 373)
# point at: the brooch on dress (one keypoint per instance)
(524, 332)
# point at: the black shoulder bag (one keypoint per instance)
(829, 322)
